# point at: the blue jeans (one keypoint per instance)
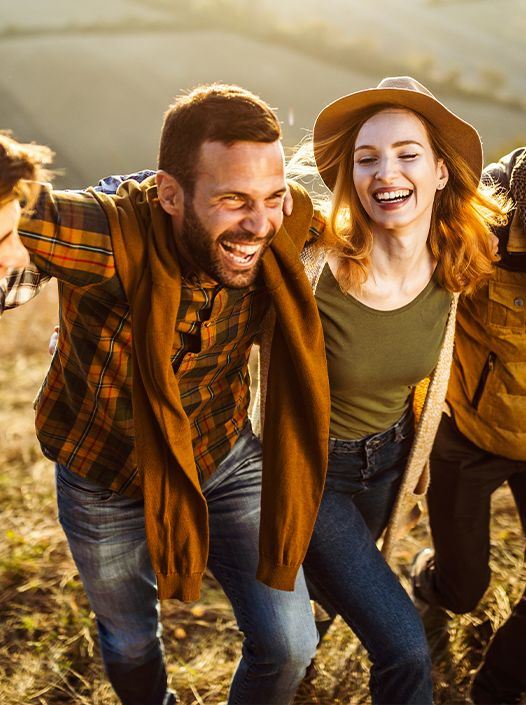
(348, 574)
(106, 536)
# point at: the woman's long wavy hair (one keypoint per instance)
(21, 167)
(463, 213)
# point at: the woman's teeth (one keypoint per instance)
(390, 196)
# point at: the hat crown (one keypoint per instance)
(406, 83)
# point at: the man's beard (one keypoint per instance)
(206, 256)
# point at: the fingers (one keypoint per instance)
(53, 341)
(288, 203)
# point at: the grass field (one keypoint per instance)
(48, 649)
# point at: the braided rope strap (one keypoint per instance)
(518, 188)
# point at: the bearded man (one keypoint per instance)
(162, 290)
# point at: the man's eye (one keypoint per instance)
(233, 200)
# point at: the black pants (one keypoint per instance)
(463, 478)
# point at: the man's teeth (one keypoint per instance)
(392, 195)
(239, 251)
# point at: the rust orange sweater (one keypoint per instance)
(297, 411)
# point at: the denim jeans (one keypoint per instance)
(106, 536)
(348, 574)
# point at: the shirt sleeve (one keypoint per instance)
(68, 237)
(110, 184)
(20, 286)
(499, 173)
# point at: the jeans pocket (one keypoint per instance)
(81, 489)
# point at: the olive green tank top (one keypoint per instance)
(376, 357)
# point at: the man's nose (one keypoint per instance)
(256, 222)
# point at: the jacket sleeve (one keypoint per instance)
(499, 173)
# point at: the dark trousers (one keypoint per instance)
(463, 478)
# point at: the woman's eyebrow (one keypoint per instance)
(402, 143)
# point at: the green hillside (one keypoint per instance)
(92, 80)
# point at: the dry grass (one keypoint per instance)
(48, 649)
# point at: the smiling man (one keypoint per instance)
(228, 216)
(163, 287)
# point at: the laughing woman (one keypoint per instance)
(410, 230)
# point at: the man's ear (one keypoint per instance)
(170, 193)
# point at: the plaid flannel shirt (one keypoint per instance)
(84, 412)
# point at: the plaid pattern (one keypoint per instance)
(20, 286)
(84, 413)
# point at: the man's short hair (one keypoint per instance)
(217, 112)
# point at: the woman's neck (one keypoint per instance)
(401, 266)
(400, 258)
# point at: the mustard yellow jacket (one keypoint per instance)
(487, 389)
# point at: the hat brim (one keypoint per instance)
(338, 115)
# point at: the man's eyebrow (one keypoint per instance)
(401, 143)
(243, 194)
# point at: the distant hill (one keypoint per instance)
(93, 79)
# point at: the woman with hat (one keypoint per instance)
(409, 231)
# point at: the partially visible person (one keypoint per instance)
(481, 444)
(21, 167)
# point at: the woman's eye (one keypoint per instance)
(364, 161)
(409, 155)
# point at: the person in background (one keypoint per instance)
(21, 167)
(480, 445)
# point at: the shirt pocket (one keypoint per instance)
(507, 307)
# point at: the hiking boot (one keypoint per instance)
(434, 617)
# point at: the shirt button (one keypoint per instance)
(519, 302)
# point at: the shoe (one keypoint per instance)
(434, 618)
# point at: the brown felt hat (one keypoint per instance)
(408, 93)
